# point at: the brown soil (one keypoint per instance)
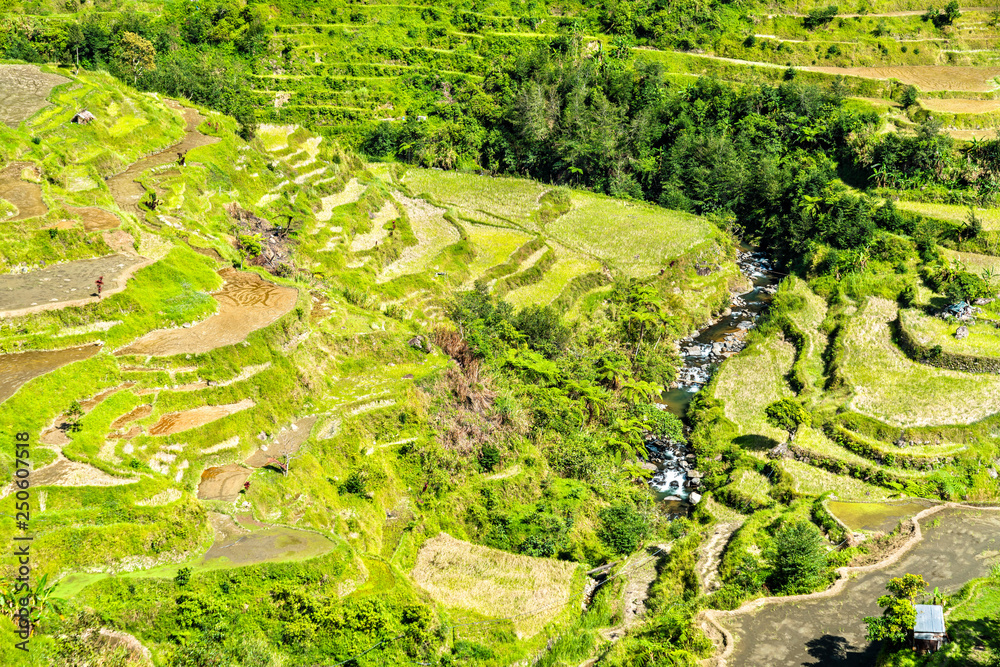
(126, 192)
(274, 544)
(246, 303)
(16, 369)
(54, 436)
(70, 473)
(320, 307)
(25, 195)
(119, 241)
(64, 285)
(91, 403)
(95, 219)
(288, 442)
(23, 91)
(175, 422)
(925, 77)
(139, 413)
(223, 482)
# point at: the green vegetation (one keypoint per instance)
(455, 402)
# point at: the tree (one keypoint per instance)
(136, 55)
(898, 612)
(909, 97)
(622, 528)
(799, 558)
(787, 414)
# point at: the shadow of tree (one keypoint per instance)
(755, 442)
(833, 650)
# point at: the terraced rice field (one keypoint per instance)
(815, 481)
(23, 194)
(875, 369)
(751, 380)
(568, 265)
(983, 339)
(24, 90)
(507, 199)
(433, 233)
(246, 303)
(17, 369)
(493, 246)
(926, 77)
(62, 285)
(638, 239)
(175, 422)
(493, 583)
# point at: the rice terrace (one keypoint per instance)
(550, 334)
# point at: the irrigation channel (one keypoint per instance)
(675, 480)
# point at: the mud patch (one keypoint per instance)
(26, 196)
(96, 219)
(287, 443)
(882, 517)
(223, 482)
(246, 303)
(268, 545)
(70, 473)
(16, 369)
(139, 413)
(63, 285)
(24, 90)
(175, 422)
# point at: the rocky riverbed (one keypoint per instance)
(675, 480)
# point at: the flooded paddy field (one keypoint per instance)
(957, 545)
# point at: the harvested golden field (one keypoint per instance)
(751, 380)
(494, 583)
(925, 77)
(960, 106)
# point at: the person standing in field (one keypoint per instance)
(100, 285)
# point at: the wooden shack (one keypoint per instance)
(928, 630)
(83, 117)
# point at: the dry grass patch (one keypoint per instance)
(960, 106)
(494, 583)
(953, 213)
(809, 319)
(890, 387)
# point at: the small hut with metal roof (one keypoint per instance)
(928, 630)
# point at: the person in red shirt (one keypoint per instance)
(100, 285)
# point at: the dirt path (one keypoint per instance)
(25, 195)
(126, 192)
(17, 369)
(815, 630)
(287, 443)
(24, 90)
(64, 285)
(710, 553)
(247, 303)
